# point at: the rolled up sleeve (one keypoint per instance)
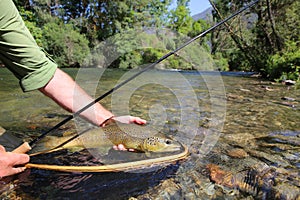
(19, 51)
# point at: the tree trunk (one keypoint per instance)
(273, 27)
(237, 40)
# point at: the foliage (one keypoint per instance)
(30, 22)
(67, 46)
(130, 60)
(221, 62)
(106, 18)
(263, 39)
(285, 65)
(62, 41)
(181, 21)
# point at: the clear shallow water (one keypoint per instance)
(255, 129)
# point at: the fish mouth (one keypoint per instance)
(176, 148)
(172, 148)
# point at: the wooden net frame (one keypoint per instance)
(127, 166)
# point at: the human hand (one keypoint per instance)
(121, 147)
(127, 120)
(9, 160)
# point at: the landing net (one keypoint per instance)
(83, 162)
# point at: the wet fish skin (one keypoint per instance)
(132, 136)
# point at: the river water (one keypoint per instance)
(243, 135)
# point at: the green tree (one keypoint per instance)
(61, 40)
(180, 19)
(24, 4)
(100, 20)
(259, 36)
(30, 20)
(67, 46)
(107, 18)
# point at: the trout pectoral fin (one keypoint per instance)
(102, 151)
(75, 149)
(148, 154)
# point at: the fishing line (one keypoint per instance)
(34, 141)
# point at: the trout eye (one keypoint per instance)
(168, 142)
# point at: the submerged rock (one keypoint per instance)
(258, 181)
(237, 153)
(289, 82)
(289, 104)
(288, 99)
(261, 181)
(220, 176)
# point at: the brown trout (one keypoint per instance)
(132, 136)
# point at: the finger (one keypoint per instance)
(122, 119)
(121, 147)
(138, 120)
(131, 150)
(19, 159)
(15, 170)
(2, 149)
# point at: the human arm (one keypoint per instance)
(65, 92)
(21, 55)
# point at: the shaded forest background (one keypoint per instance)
(264, 39)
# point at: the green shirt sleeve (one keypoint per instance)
(19, 51)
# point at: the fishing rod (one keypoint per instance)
(23, 148)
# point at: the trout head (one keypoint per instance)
(158, 144)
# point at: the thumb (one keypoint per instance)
(15, 170)
(19, 159)
(2, 149)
